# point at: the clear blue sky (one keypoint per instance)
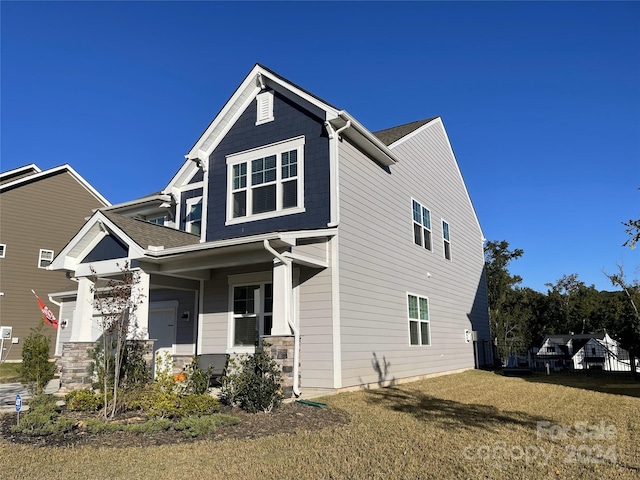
(541, 100)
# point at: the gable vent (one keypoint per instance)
(264, 107)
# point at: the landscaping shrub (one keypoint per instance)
(198, 405)
(195, 426)
(83, 401)
(43, 418)
(252, 382)
(36, 369)
(196, 378)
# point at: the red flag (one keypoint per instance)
(47, 315)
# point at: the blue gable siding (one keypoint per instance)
(290, 120)
(108, 248)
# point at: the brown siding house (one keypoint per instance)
(39, 212)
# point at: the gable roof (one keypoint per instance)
(393, 134)
(23, 171)
(258, 79)
(39, 175)
(147, 234)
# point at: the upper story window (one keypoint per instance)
(446, 240)
(156, 220)
(421, 225)
(418, 320)
(3, 250)
(45, 258)
(264, 107)
(193, 218)
(266, 182)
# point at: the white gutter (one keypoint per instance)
(296, 330)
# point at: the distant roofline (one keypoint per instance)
(53, 171)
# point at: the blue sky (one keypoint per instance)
(541, 100)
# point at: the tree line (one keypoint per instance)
(521, 317)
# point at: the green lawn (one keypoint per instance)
(9, 372)
(469, 425)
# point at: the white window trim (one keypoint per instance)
(445, 241)
(430, 230)
(254, 154)
(259, 278)
(409, 319)
(3, 250)
(46, 259)
(264, 107)
(188, 204)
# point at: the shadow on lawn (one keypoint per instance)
(447, 413)
(609, 383)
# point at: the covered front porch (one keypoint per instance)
(221, 297)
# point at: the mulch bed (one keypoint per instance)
(288, 419)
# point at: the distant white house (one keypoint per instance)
(581, 352)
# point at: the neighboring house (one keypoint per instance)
(39, 212)
(579, 352)
(357, 255)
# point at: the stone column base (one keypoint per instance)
(282, 351)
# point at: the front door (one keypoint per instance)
(162, 328)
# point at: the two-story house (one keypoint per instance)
(39, 212)
(358, 255)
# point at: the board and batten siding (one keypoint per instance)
(379, 262)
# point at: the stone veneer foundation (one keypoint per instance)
(76, 364)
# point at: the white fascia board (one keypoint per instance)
(52, 171)
(61, 261)
(288, 238)
(67, 259)
(243, 96)
(154, 199)
(24, 168)
(248, 84)
(365, 139)
(182, 176)
(306, 260)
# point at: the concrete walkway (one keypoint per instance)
(8, 392)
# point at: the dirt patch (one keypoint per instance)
(288, 419)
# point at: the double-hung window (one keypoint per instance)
(418, 308)
(45, 258)
(266, 182)
(446, 240)
(194, 215)
(252, 313)
(3, 250)
(421, 225)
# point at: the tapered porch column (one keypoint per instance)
(83, 314)
(282, 303)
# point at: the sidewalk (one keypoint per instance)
(8, 392)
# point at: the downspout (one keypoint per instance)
(294, 328)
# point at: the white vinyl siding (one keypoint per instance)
(45, 258)
(266, 182)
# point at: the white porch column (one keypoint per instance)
(282, 305)
(141, 297)
(83, 314)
